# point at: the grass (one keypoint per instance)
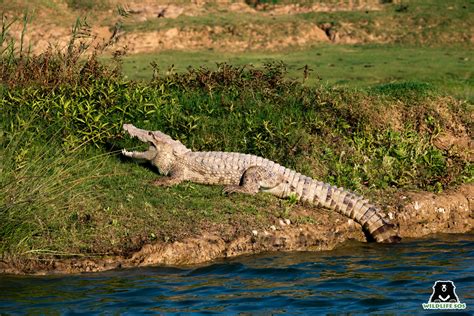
(57, 203)
(450, 70)
(366, 118)
(362, 140)
(418, 24)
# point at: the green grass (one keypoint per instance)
(365, 118)
(57, 200)
(20, 6)
(57, 203)
(448, 69)
(88, 5)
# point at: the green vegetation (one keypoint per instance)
(58, 199)
(449, 70)
(370, 124)
(88, 4)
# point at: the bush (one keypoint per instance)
(381, 137)
(77, 64)
(346, 137)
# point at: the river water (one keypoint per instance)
(355, 278)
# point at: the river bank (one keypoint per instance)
(367, 278)
(70, 202)
(417, 214)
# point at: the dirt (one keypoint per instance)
(194, 29)
(417, 214)
(44, 32)
(222, 39)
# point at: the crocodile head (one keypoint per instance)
(159, 142)
(143, 135)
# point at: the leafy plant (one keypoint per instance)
(259, 111)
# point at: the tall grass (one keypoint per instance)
(73, 65)
(40, 187)
(43, 179)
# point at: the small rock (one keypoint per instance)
(254, 232)
(390, 215)
(173, 32)
(417, 205)
(281, 222)
(287, 221)
(440, 210)
(273, 227)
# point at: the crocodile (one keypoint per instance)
(245, 173)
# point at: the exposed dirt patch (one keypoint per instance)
(251, 37)
(328, 6)
(417, 214)
(232, 25)
(421, 213)
(222, 38)
(44, 31)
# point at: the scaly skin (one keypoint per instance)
(250, 174)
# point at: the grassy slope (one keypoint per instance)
(85, 202)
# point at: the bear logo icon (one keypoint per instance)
(444, 292)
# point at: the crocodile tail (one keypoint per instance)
(356, 208)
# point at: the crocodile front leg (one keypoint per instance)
(257, 179)
(173, 178)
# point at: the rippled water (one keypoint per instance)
(357, 278)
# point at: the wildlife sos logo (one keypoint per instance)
(444, 297)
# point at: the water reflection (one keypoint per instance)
(354, 278)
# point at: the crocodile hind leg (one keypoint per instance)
(257, 179)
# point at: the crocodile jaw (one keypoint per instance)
(143, 135)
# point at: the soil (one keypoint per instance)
(44, 31)
(275, 29)
(417, 214)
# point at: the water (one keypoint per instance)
(356, 278)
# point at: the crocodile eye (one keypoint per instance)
(150, 133)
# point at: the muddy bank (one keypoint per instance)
(417, 214)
